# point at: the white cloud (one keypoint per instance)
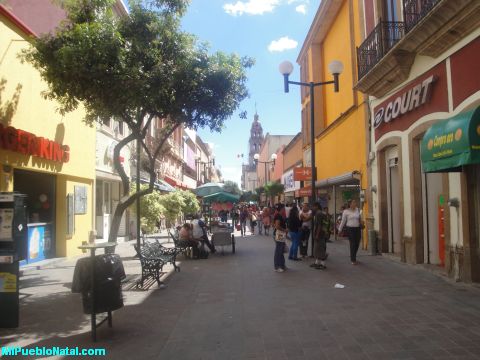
(251, 7)
(302, 9)
(282, 44)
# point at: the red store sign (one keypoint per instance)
(26, 143)
(426, 94)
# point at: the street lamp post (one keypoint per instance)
(335, 68)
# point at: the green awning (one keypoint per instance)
(452, 143)
(221, 197)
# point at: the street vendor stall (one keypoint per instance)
(222, 233)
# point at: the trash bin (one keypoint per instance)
(109, 273)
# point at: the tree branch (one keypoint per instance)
(118, 166)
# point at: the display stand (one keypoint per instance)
(92, 249)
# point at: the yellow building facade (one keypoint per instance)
(340, 117)
(43, 154)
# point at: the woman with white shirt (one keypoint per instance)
(351, 219)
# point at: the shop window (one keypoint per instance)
(99, 198)
(106, 198)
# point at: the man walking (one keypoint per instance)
(319, 238)
(306, 217)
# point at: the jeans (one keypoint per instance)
(354, 236)
(279, 259)
(304, 235)
(295, 236)
(243, 227)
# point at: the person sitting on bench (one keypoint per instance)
(199, 232)
(185, 239)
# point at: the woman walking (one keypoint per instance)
(266, 220)
(353, 224)
(294, 225)
(280, 237)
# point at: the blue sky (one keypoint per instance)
(249, 27)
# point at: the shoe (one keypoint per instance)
(320, 267)
(296, 259)
(313, 265)
(280, 270)
(354, 263)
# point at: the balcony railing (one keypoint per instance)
(383, 37)
(416, 10)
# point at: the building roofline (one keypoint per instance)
(323, 19)
(292, 142)
(16, 21)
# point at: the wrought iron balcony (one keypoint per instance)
(383, 37)
(416, 10)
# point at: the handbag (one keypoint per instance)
(286, 249)
(280, 235)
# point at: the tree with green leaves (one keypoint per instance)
(231, 187)
(191, 206)
(137, 68)
(173, 203)
(273, 188)
(151, 209)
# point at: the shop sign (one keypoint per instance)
(306, 191)
(26, 143)
(288, 181)
(302, 173)
(405, 102)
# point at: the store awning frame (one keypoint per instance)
(352, 177)
(452, 143)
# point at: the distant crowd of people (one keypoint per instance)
(296, 224)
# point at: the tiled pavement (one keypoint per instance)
(237, 307)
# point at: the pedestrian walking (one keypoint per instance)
(319, 238)
(259, 221)
(280, 238)
(306, 217)
(294, 225)
(353, 224)
(243, 220)
(266, 219)
(253, 220)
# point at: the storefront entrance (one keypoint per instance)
(40, 191)
(432, 188)
(393, 200)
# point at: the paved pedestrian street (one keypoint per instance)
(237, 307)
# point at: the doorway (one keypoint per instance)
(432, 189)
(393, 201)
(40, 202)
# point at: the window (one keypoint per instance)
(120, 127)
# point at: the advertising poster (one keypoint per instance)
(36, 243)
(6, 223)
(8, 282)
